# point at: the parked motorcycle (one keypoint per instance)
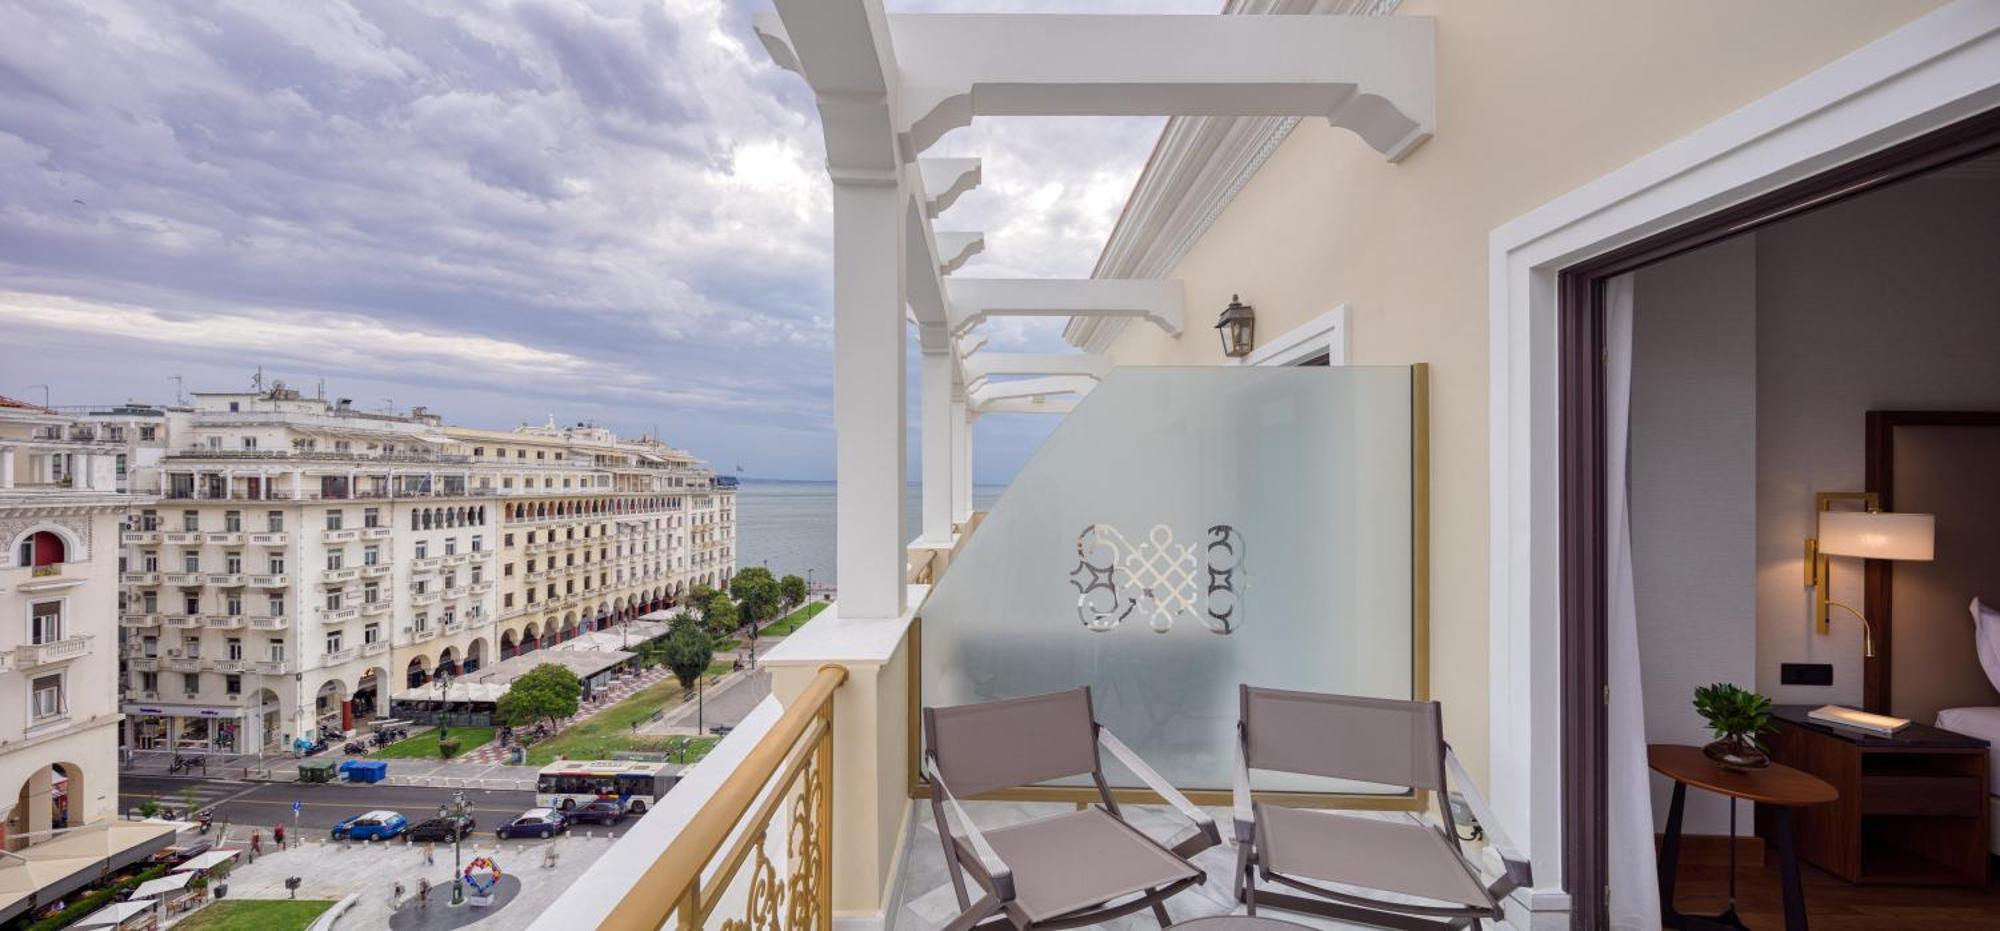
(205, 819)
(354, 746)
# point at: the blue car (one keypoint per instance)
(375, 825)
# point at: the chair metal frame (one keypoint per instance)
(1343, 906)
(966, 850)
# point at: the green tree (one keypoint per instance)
(699, 596)
(689, 651)
(721, 617)
(546, 693)
(793, 590)
(757, 594)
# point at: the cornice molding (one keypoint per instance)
(1197, 168)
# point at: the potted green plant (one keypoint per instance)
(1738, 717)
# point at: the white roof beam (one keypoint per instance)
(954, 248)
(972, 300)
(1032, 387)
(945, 179)
(1374, 75)
(1035, 405)
(930, 306)
(841, 48)
(979, 366)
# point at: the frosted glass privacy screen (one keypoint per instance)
(1185, 530)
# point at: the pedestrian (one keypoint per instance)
(549, 855)
(430, 850)
(278, 835)
(256, 843)
(396, 896)
(423, 893)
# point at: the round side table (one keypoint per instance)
(1779, 786)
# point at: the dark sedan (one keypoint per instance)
(535, 822)
(441, 830)
(602, 811)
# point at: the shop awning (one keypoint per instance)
(117, 913)
(207, 861)
(172, 882)
(48, 871)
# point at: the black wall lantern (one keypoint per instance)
(1237, 325)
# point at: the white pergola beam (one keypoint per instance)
(972, 300)
(979, 366)
(954, 248)
(1036, 405)
(1374, 75)
(1032, 387)
(945, 179)
(842, 49)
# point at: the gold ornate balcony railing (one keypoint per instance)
(795, 761)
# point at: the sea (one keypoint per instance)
(788, 526)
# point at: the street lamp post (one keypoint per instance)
(444, 704)
(455, 812)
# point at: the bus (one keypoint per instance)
(636, 784)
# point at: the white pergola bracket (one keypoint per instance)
(972, 300)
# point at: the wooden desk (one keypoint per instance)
(1780, 788)
(1912, 805)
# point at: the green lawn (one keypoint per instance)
(424, 746)
(793, 621)
(256, 915)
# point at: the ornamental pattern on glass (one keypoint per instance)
(1159, 578)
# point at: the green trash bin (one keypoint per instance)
(316, 771)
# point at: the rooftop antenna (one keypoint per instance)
(388, 405)
(257, 380)
(45, 394)
(322, 388)
(180, 390)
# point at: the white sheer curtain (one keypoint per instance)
(1634, 878)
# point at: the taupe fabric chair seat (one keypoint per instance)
(1067, 871)
(1390, 855)
(1078, 860)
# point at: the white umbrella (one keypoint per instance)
(117, 913)
(161, 886)
(209, 860)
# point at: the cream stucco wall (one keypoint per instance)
(1534, 99)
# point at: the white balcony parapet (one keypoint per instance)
(270, 622)
(229, 665)
(375, 648)
(225, 538)
(35, 655)
(340, 615)
(224, 621)
(141, 537)
(269, 581)
(139, 620)
(347, 535)
(227, 579)
(271, 667)
(140, 578)
(181, 538)
(339, 576)
(377, 607)
(271, 538)
(336, 657)
(376, 571)
(183, 578)
(181, 620)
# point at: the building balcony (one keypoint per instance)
(31, 656)
(457, 592)
(139, 537)
(432, 596)
(336, 657)
(148, 695)
(270, 622)
(340, 536)
(482, 587)
(270, 538)
(421, 634)
(340, 615)
(457, 559)
(376, 648)
(272, 667)
(338, 576)
(376, 533)
(224, 621)
(228, 579)
(225, 538)
(140, 578)
(426, 564)
(453, 626)
(143, 663)
(183, 578)
(139, 620)
(181, 538)
(182, 621)
(181, 663)
(232, 666)
(269, 581)
(376, 608)
(379, 570)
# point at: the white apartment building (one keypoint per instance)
(59, 517)
(306, 559)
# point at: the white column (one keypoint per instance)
(228, 484)
(79, 471)
(961, 448)
(940, 442)
(868, 395)
(6, 466)
(298, 484)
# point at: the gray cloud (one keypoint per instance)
(612, 209)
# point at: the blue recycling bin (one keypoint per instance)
(365, 770)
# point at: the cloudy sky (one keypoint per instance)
(612, 210)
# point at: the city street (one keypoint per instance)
(321, 806)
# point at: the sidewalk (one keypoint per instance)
(727, 703)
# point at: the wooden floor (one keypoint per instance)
(1833, 905)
